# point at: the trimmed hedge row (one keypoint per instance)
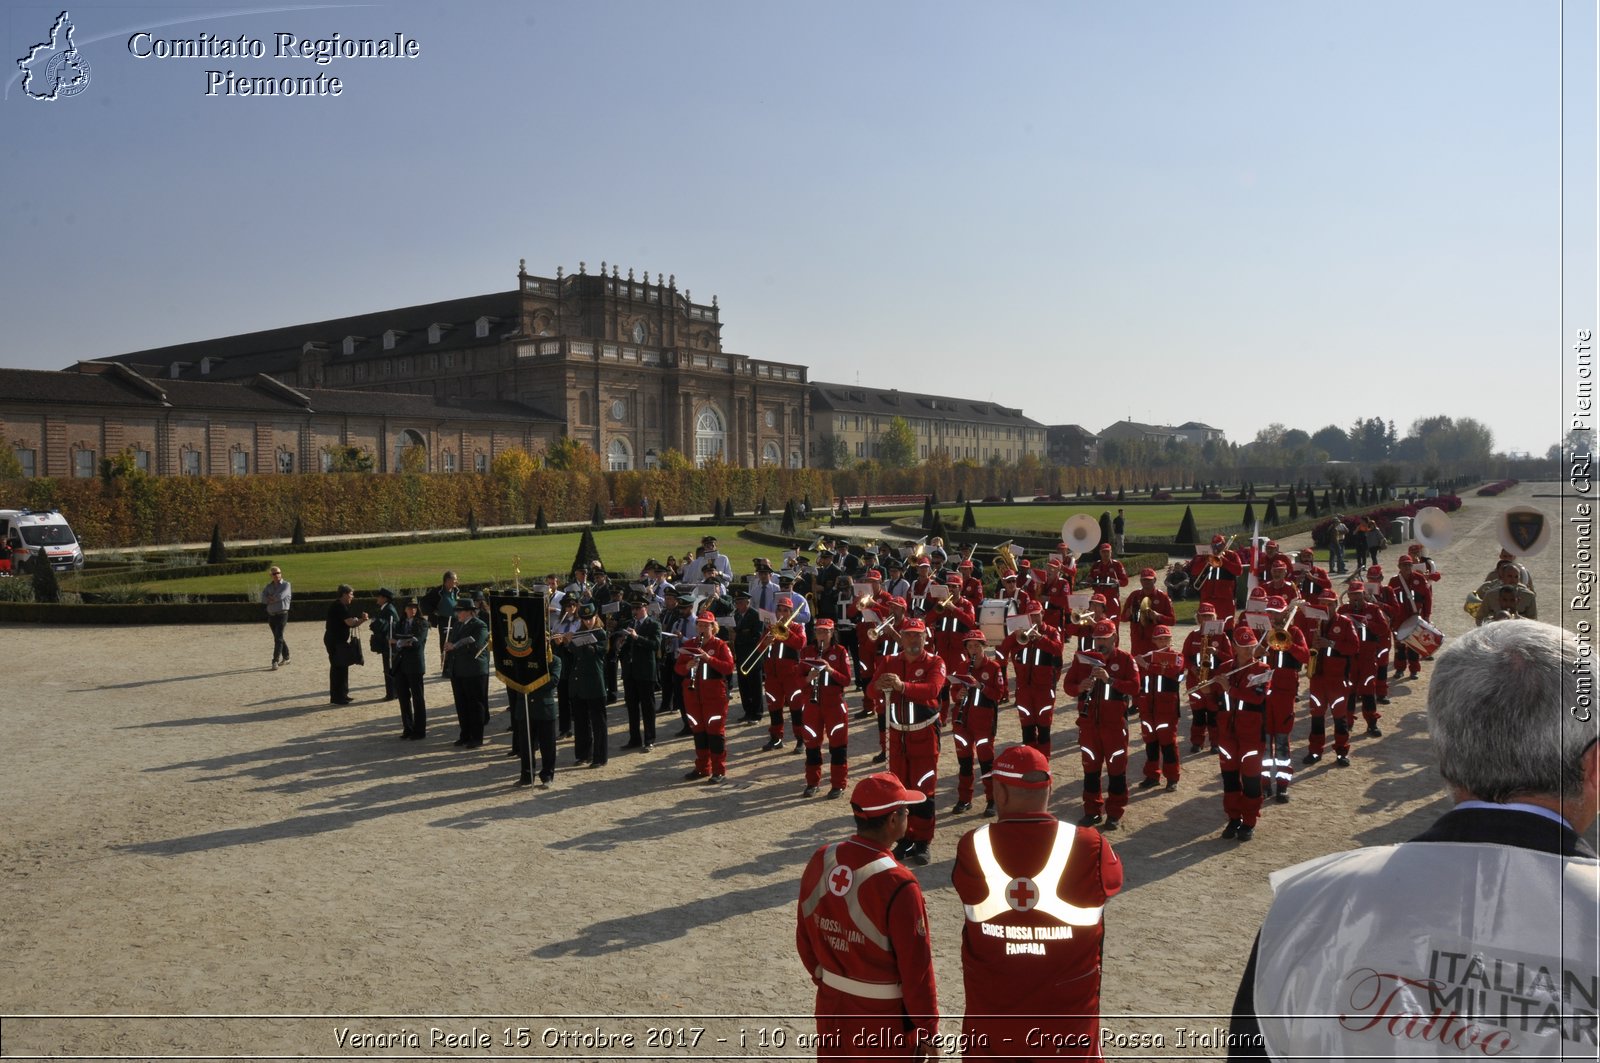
(147, 510)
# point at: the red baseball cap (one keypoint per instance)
(1407, 559)
(964, 564)
(1022, 766)
(1243, 636)
(954, 579)
(1147, 573)
(1357, 585)
(1276, 604)
(874, 574)
(1098, 599)
(1374, 572)
(975, 635)
(1161, 630)
(1105, 629)
(705, 618)
(1009, 575)
(1217, 540)
(822, 625)
(879, 794)
(1105, 546)
(1206, 609)
(1272, 544)
(1308, 554)
(1035, 606)
(911, 626)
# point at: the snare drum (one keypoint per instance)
(992, 615)
(1420, 635)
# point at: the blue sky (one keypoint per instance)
(1236, 212)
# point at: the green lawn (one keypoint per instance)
(1160, 520)
(477, 562)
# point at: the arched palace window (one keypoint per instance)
(710, 436)
(618, 457)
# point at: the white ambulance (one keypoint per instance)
(26, 531)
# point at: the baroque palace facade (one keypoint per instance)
(629, 366)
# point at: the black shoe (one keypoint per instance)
(918, 854)
(798, 746)
(1111, 824)
(863, 714)
(511, 752)
(565, 734)
(525, 779)
(1172, 784)
(1282, 797)
(474, 744)
(1089, 819)
(696, 774)
(632, 743)
(648, 746)
(1232, 829)
(342, 701)
(772, 743)
(1311, 758)
(988, 809)
(837, 791)
(459, 742)
(1383, 701)
(1195, 747)
(1373, 732)
(961, 806)
(810, 791)
(1342, 761)
(1149, 784)
(597, 764)
(716, 780)
(880, 758)
(902, 847)
(1246, 833)
(685, 732)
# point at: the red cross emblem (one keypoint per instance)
(1022, 895)
(839, 882)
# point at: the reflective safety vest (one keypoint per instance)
(1431, 949)
(1045, 886)
(851, 899)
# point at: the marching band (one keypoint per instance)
(944, 650)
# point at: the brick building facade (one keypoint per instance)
(64, 423)
(630, 367)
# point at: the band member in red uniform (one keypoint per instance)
(1240, 736)
(826, 720)
(1057, 593)
(1310, 578)
(1108, 577)
(1034, 654)
(1371, 622)
(1160, 670)
(971, 586)
(862, 934)
(910, 684)
(1336, 645)
(783, 674)
(1408, 595)
(1270, 555)
(866, 651)
(978, 687)
(1215, 575)
(1011, 591)
(705, 662)
(1082, 629)
(1285, 650)
(883, 637)
(1104, 680)
(948, 622)
(1205, 656)
(1376, 597)
(1142, 620)
(1037, 984)
(1279, 584)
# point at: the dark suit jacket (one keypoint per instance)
(1489, 826)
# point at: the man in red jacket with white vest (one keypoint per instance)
(1034, 890)
(862, 934)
